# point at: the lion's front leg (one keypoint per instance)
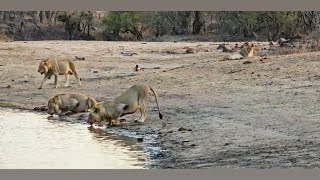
(67, 80)
(56, 80)
(43, 81)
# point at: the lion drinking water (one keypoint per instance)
(74, 102)
(128, 102)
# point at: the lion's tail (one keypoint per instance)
(156, 97)
(73, 68)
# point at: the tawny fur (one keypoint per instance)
(51, 67)
(64, 103)
(133, 99)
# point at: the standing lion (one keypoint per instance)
(51, 67)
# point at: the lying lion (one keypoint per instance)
(128, 102)
(248, 50)
(51, 67)
(62, 104)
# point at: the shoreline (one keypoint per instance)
(232, 114)
(148, 141)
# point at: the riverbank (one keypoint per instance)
(216, 113)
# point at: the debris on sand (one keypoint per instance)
(80, 58)
(169, 52)
(235, 56)
(94, 72)
(225, 48)
(140, 139)
(247, 62)
(126, 53)
(190, 51)
(138, 68)
(41, 108)
(9, 86)
(184, 129)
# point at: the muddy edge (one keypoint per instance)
(233, 114)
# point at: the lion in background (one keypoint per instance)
(75, 102)
(248, 50)
(51, 67)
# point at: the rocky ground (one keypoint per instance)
(263, 114)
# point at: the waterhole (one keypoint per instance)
(32, 141)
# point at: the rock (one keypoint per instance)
(43, 108)
(140, 139)
(190, 51)
(235, 56)
(247, 62)
(9, 86)
(269, 82)
(184, 129)
(80, 58)
(95, 72)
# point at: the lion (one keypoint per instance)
(225, 48)
(51, 67)
(248, 50)
(62, 104)
(129, 102)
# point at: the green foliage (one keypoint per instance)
(123, 22)
(277, 22)
(117, 25)
(76, 23)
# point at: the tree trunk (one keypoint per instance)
(197, 23)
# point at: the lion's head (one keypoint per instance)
(53, 105)
(95, 114)
(44, 67)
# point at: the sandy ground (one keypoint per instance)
(259, 115)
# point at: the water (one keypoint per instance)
(31, 141)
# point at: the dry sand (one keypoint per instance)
(259, 115)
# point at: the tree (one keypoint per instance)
(198, 23)
(124, 22)
(71, 23)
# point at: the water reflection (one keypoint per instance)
(31, 141)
